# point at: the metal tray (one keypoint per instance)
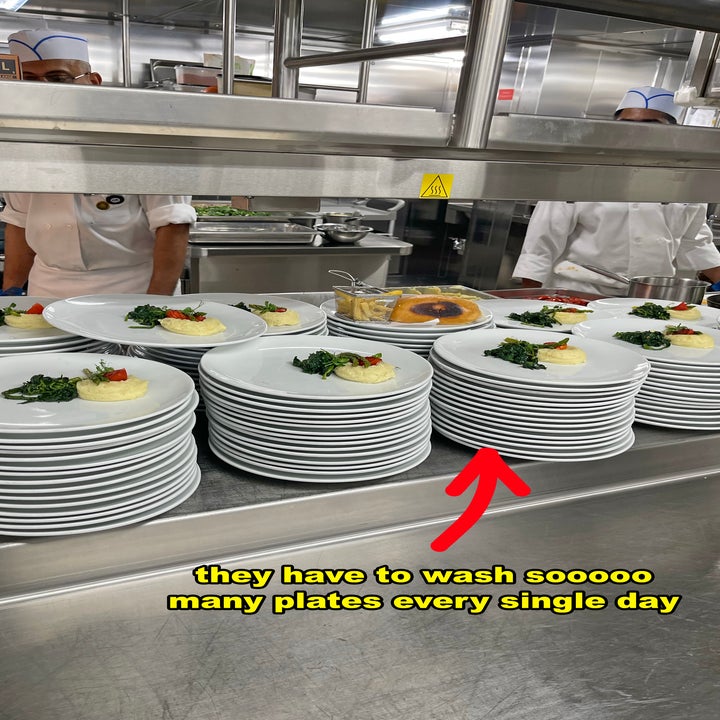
(254, 233)
(281, 217)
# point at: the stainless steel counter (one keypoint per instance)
(108, 648)
(268, 268)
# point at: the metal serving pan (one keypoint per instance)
(252, 233)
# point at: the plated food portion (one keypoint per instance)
(76, 457)
(283, 316)
(652, 309)
(683, 388)
(539, 314)
(316, 409)
(507, 391)
(154, 321)
(659, 340)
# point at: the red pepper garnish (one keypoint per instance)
(279, 309)
(116, 375)
(685, 331)
(681, 306)
(36, 309)
(373, 360)
(176, 315)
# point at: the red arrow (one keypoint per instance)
(488, 467)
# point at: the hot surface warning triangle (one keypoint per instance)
(436, 186)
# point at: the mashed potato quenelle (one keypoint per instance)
(380, 372)
(683, 311)
(686, 337)
(30, 319)
(565, 355)
(277, 318)
(209, 326)
(571, 317)
(112, 391)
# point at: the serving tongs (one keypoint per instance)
(359, 286)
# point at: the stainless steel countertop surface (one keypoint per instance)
(112, 650)
(371, 244)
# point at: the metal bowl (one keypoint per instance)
(343, 233)
(341, 217)
(714, 300)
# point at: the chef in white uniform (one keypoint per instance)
(628, 238)
(64, 244)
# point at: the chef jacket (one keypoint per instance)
(629, 238)
(89, 244)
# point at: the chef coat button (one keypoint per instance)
(48, 226)
(68, 226)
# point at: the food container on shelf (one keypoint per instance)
(362, 302)
(243, 66)
(193, 75)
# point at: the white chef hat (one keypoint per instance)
(651, 98)
(46, 44)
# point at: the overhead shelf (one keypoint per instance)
(83, 139)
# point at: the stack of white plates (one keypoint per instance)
(561, 413)
(102, 317)
(268, 417)
(621, 307)
(503, 308)
(683, 388)
(17, 341)
(80, 466)
(417, 337)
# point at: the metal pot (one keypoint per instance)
(658, 287)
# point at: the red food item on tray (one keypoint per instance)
(574, 300)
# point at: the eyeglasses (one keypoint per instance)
(55, 77)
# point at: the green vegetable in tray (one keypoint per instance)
(227, 211)
(322, 362)
(648, 339)
(650, 310)
(542, 318)
(42, 388)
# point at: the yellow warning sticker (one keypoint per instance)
(436, 187)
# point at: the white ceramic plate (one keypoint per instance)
(228, 394)
(311, 316)
(621, 307)
(504, 307)
(11, 335)
(312, 476)
(93, 481)
(168, 388)
(265, 366)
(102, 317)
(432, 326)
(119, 520)
(605, 365)
(606, 328)
(540, 454)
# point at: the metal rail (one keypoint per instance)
(368, 37)
(288, 42)
(228, 75)
(378, 52)
(487, 38)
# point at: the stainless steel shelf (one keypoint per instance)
(61, 139)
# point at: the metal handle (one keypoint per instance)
(606, 273)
